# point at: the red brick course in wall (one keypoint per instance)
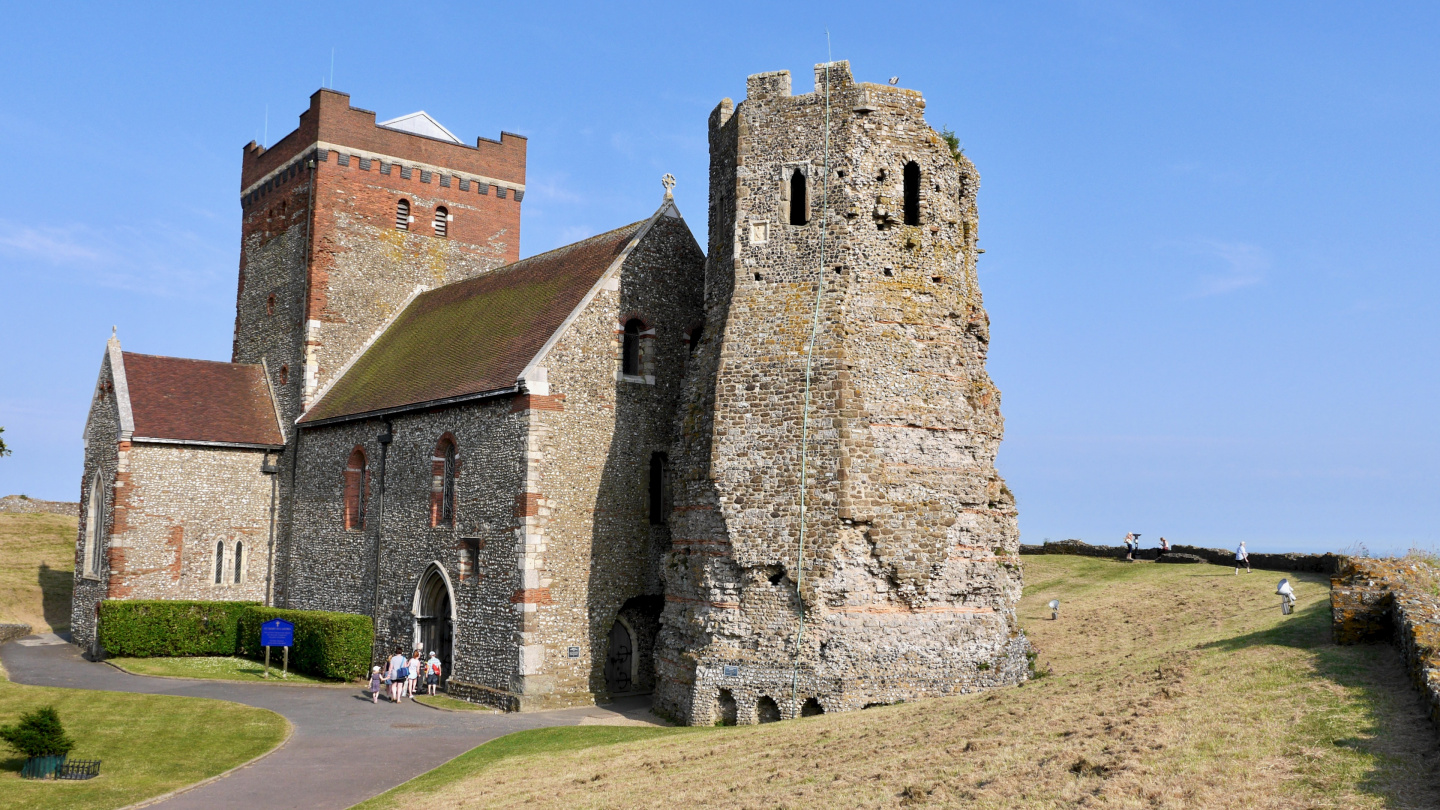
(332, 119)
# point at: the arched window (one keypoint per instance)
(658, 476)
(912, 193)
(219, 562)
(630, 357)
(402, 215)
(442, 221)
(94, 516)
(799, 206)
(239, 562)
(284, 373)
(443, 467)
(355, 490)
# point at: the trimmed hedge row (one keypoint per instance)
(143, 628)
(330, 645)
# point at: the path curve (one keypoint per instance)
(344, 748)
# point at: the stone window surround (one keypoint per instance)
(647, 351)
(95, 517)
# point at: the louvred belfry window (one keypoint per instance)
(355, 490)
(442, 220)
(402, 215)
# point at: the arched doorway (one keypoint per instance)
(620, 660)
(435, 616)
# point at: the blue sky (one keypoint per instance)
(1210, 230)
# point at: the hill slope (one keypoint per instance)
(37, 564)
(1172, 686)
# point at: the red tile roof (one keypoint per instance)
(472, 336)
(200, 400)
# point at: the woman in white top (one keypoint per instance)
(1242, 556)
(412, 673)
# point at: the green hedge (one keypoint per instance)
(143, 628)
(330, 645)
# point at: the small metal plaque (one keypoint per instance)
(731, 671)
(572, 652)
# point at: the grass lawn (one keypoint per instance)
(37, 564)
(148, 744)
(227, 668)
(1173, 686)
(443, 701)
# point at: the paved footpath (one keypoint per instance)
(344, 749)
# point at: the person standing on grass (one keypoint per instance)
(1242, 557)
(412, 673)
(396, 674)
(432, 673)
(1164, 546)
(1130, 545)
(375, 680)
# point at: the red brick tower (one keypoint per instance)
(343, 218)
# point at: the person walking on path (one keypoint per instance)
(396, 673)
(412, 673)
(375, 681)
(1164, 546)
(432, 673)
(1242, 557)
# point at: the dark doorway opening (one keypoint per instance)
(799, 206)
(620, 661)
(912, 193)
(435, 619)
(766, 710)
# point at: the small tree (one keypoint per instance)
(4, 451)
(953, 141)
(38, 734)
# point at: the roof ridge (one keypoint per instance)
(188, 359)
(520, 264)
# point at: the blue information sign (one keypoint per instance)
(277, 633)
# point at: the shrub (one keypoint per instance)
(329, 645)
(143, 628)
(39, 734)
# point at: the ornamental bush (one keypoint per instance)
(328, 645)
(162, 627)
(38, 734)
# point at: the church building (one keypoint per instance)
(756, 482)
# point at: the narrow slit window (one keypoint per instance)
(402, 215)
(219, 562)
(912, 193)
(442, 222)
(695, 335)
(444, 464)
(239, 562)
(658, 476)
(630, 359)
(799, 206)
(94, 516)
(355, 474)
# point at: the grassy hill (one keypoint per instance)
(1172, 686)
(37, 564)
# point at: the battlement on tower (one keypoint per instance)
(332, 123)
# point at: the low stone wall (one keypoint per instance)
(19, 504)
(1294, 563)
(1397, 601)
(9, 632)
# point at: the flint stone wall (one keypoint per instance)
(1327, 563)
(20, 505)
(911, 569)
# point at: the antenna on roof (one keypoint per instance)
(332, 68)
(265, 140)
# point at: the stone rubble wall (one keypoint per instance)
(21, 505)
(106, 457)
(1327, 563)
(1396, 600)
(10, 632)
(910, 568)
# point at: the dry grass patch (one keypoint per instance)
(1173, 686)
(37, 564)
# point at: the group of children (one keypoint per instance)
(402, 675)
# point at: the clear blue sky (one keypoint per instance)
(1211, 231)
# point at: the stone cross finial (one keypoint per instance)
(668, 181)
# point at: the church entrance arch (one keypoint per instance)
(435, 616)
(620, 659)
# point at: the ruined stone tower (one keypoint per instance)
(909, 576)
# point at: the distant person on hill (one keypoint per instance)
(375, 680)
(1164, 546)
(1131, 543)
(1242, 557)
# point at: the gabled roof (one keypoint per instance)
(420, 123)
(173, 399)
(476, 336)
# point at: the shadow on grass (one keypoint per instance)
(1396, 735)
(56, 588)
(12, 764)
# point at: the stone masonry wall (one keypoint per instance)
(330, 568)
(591, 448)
(1395, 600)
(103, 457)
(911, 568)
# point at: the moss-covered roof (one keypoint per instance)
(472, 336)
